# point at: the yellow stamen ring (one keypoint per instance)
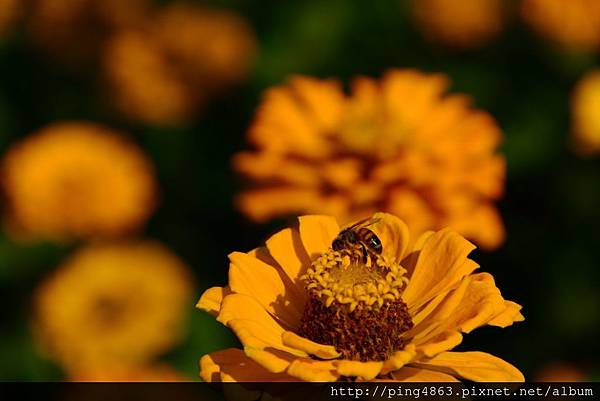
(342, 276)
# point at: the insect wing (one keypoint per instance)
(369, 221)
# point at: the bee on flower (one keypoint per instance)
(306, 311)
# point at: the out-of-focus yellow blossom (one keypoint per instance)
(585, 109)
(112, 304)
(399, 145)
(575, 24)
(76, 179)
(143, 83)
(461, 24)
(74, 30)
(120, 373)
(304, 311)
(182, 56)
(9, 12)
(213, 46)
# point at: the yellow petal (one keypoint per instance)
(364, 370)
(508, 316)
(297, 292)
(442, 341)
(210, 369)
(481, 302)
(251, 323)
(253, 335)
(474, 303)
(438, 309)
(410, 260)
(311, 370)
(287, 249)
(475, 366)
(233, 365)
(317, 232)
(262, 253)
(421, 240)
(268, 285)
(211, 299)
(310, 347)
(440, 266)
(273, 360)
(393, 234)
(408, 374)
(399, 359)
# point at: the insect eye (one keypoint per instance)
(374, 242)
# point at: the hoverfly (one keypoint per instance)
(359, 236)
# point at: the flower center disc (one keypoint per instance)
(356, 306)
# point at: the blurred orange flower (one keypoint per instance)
(112, 304)
(74, 30)
(399, 145)
(9, 12)
(560, 372)
(462, 24)
(138, 74)
(120, 373)
(572, 23)
(214, 46)
(304, 311)
(585, 112)
(182, 56)
(76, 180)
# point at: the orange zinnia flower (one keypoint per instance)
(75, 179)
(585, 123)
(399, 145)
(182, 55)
(462, 24)
(112, 305)
(214, 46)
(137, 74)
(572, 23)
(306, 311)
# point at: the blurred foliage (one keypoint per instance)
(549, 264)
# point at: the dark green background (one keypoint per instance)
(550, 262)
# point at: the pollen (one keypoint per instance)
(356, 305)
(343, 277)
